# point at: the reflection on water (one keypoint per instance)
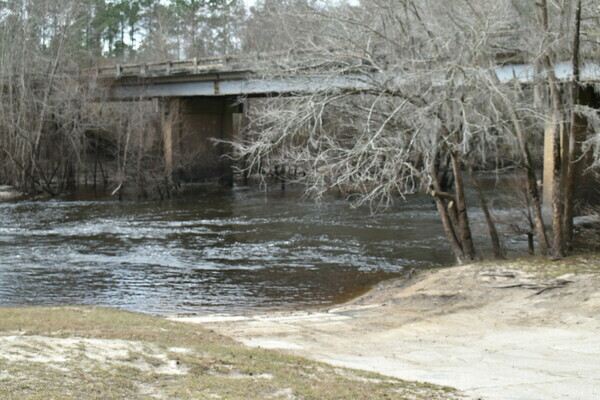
(240, 249)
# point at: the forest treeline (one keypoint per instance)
(93, 31)
(55, 132)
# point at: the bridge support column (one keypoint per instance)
(191, 127)
(170, 130)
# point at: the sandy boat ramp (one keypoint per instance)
(494, 334)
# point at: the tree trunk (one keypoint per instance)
(574, 127)
(494, 238)
(464, 228)
(540, 230)
(449, 229)
(530, 245)
(558, 181)
(445, 211)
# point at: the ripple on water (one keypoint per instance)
(240, 249)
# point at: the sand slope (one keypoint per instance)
(493, 333)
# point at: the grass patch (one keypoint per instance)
(97, 353)
(542, 267)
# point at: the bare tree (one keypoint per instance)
(55, 129)
(423, 116)
(562, 35)
(41, 119)
(430, 105)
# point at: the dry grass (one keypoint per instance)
(542, 267)
(96, 353)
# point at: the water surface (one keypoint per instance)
(213, 251)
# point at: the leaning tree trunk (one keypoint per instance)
(455, 245)
(464, 228)
(443, 202)
(494, 238)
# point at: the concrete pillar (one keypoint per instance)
(170, 130)
(227, 133)
(190, 128)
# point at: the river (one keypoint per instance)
(213, 251)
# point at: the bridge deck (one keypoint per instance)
(240, 76)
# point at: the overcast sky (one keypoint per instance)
(250, 3)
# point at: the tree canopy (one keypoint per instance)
(128, 30)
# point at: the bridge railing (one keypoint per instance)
(246, 61)
(164, 68)
(236, 62)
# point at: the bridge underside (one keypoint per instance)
(219, 86)
(191, 128)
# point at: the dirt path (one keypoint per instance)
(494, 334)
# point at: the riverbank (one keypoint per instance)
(96, 353)
(527, 329)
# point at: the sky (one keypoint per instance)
(250, 3)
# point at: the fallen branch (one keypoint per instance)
(558, 284)
(541, 288)
(501, 274)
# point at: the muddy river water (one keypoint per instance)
(211, 251)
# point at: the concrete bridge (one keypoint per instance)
(239, 75)
(199, 100)
(199, 96)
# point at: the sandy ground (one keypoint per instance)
(494, 334)
(63, 353)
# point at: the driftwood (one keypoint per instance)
(540, 287)
(499, 274)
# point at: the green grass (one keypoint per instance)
(210, 366)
